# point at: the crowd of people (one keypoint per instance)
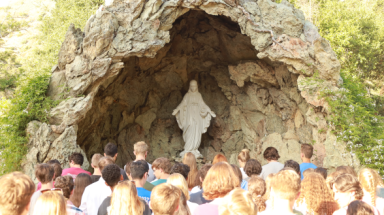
(163, 188)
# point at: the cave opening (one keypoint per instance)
(137, 104)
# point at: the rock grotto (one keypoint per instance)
(259, 65)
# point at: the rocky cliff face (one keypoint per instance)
(259, 66)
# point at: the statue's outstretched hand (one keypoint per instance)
(213, 114)
(175, 111)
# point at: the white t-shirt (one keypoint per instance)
(243, 173)
(94, 194)
(195, 189)
(273, 167)
(192, 206)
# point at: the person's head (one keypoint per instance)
(181, 169)
(95, 160)
(347, 170)
(51, 202)
(238, 201)
(219, 158)
(306, 151)
(243, 157)
(257, 188)
(189, 159)
(104, 161)
(201, 174)
(140, 149)
(81, 182)
(110, 150)
(346, 188)
(322, 171)
(193, 86)
(125, 200)
(139, 170)
(369, 183)
(307, 171)
(16, 190)
(252, 167)
(44, 173)
(378, 178)
(358, 207)
(179, 181)
(268, 180)
(159, 194)
(65, 183)
(271, 154)
(161, 166)
(285, 185)
(76, 159)
(237, 171)
(220, 180)
(183, 206)
(294, 165)
(315, 193)
(111, 175)
(53, 161)
(57, 169)
(127, 168)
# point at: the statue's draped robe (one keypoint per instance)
(194, 117)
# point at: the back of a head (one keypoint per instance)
(138, 169)
(16, 190)
(238, 202)
(140, 148)
(111, 174)
(244, 155)
(162, 163)
(179, 181)
(125, 200)
(128, 168)
(181, 169)
(315, 193)
(81, 182)
(95, 160)
(53, 161)
(307, 171)
(190, 160)
(285, 185)
(307, 150)
(219, 158)
(164, 192)
(322, 171)
(77, 158)
(252, 167)
(271, 153)
(359, 208)
(348, 183)
(378, 178)
(51, 202)
(44, 173)
(110, 149)
(294, 165)
(183, 206)
(237, 171)
(66, 184)
(104, 161)
(201, 174)
(268, 181)
(57, 169)
(369, 183)
(220, 180)
(347, 170)
(257, 188)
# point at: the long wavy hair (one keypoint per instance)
(81, 182)
(190, 160)
(125, 200)
(369, 183)
(316, 194)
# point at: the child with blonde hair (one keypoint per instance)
(179, 181)
(369, 184)
(238, 202)
(51, 202)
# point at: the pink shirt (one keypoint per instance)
(211, 208)
(39, 185)
(73, 171)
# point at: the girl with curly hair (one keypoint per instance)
(315, 197)
(256, 186)
(369, 184)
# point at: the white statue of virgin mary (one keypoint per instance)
(193, 117)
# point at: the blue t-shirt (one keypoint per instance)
(305, 166)
(144, 194)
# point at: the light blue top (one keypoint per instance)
(305, 166)
(244, 185)
(144, 194)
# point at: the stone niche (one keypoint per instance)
(259, 65)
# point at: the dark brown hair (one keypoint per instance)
(44, 173)
(346, 169)
(180, 168)
(347, 183)
(219, 158)
(271, 153)
(128, 168)
(201, 174)
(110, 149)
(322, 172)
(81, 182)
(252, 167)
(77, 158)
(57, 169)
(307, 150)
(359, 208)
(162, 163)
(294, 165)
(66, 184)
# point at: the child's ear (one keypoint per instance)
(150, 205)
